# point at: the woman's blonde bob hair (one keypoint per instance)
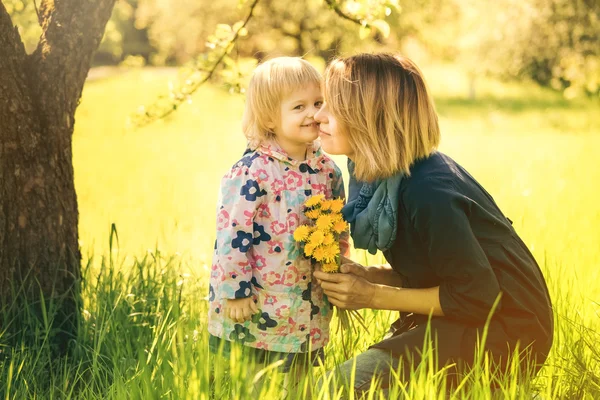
(271, 82)
(382, 105)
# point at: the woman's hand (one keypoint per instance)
(350, 267)
(378, 274)
(347, 290)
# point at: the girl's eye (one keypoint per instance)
(299, 107)
(319, 104)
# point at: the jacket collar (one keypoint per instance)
(314, 154)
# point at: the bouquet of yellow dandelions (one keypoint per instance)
(321, 241)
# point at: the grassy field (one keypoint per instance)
(143, 333)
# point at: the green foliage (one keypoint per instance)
(123, 36)
(217, 62)
(179, 30)
(553, 42)
(214, 63)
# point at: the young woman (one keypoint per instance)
(453, 255)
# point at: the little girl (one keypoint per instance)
(261, 292)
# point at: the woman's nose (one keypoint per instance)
(320, 116)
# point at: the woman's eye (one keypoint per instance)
(319, 104)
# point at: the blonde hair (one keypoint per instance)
(383, 106)
(270, 83)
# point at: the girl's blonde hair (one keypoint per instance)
(270, 83)
(383, 106)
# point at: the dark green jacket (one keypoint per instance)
(451, 234)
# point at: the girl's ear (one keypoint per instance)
(272, 121)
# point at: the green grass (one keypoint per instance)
(142, 335)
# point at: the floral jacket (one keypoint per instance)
(260, 206)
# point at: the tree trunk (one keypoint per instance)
(39, 94)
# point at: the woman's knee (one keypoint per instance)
(373, 367)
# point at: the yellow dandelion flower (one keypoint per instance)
(314, 200)
(329, 239)
(330, 267)
(337, 205)
(319, 253)
(340, 226)
(324, 222)
(326, 205)
(309, 248)
(313, 214)
(331, 252)
(316, 238)
(337, 217)
(301, 233)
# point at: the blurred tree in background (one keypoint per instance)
(125, 36)
(556, 43)
(178, 29)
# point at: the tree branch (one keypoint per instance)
(164, 108)
(336, 7)
(161, 112)
(228, 48)
(15, 100)
(15, 107)
(12, 50)
(71, 33)
(37, 12)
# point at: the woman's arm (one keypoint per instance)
(379, 274)
(440, 215)
(384, 275)
(418, 301)
(353, 292)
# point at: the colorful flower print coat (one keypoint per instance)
(260, 206)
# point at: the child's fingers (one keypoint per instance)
(254, 308)
(232, 314)
(239, 315)
(247, 313)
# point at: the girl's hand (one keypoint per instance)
(347, 290)
(241, 310)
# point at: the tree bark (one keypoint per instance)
(39, 94)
